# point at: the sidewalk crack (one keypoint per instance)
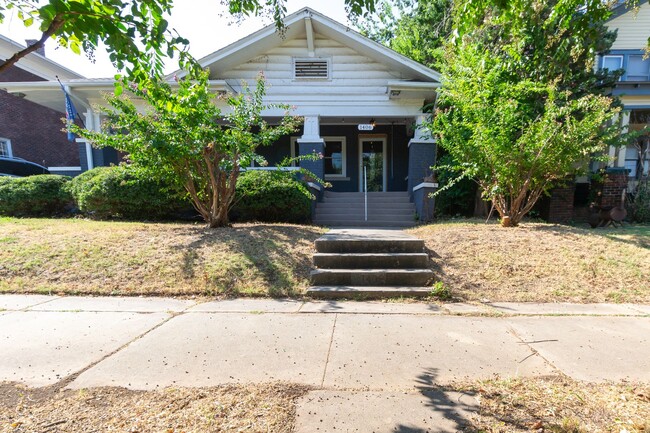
(72, 377)
(534, 351)
(329, 349)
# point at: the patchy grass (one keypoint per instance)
(228, 408)
(539, 262)
(559, 405)
(75, 256)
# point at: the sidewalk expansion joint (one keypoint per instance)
(329, 350)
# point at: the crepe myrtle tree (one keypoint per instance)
(184, 137)
(517, 140)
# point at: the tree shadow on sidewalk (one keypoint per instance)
(450, 408)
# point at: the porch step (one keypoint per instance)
(374, 263)
(371, 277)
(329, 292)
(371, 260)
(385, 209)
(362, 223)
(343, 245)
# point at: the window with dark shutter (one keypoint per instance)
(311, 68)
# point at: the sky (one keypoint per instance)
(204, 22)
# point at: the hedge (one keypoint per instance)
(271, 196)
(35, 196)
(123, 192)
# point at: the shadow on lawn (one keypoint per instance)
(636, 235)
(281, 256)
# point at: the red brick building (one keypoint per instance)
(28, 130)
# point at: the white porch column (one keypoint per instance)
(420, 135)
(625, 123)
(311, 130)
(310, 143)
(619, 160)
(93, 123)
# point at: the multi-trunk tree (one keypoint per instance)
(522, 107)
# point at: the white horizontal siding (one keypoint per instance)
(351, 72)
(633, 29)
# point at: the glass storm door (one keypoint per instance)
(372, 156)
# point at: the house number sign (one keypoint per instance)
(366, 127)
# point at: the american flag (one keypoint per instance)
(70, 112)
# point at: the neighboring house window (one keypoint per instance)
(5, 148)
(334, 156)
(631, 160)
(310, 69)
(612, 63)
(638, 69)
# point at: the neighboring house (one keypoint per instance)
(361, 101)
(28, 130)
(629, 53)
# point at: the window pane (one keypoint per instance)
(612, 62)
(631, 165)
(333, 157)
(637, 68)
(639, 117)
(631, 152)
(4, 148)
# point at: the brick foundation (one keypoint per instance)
(561, 204)
(613, 185)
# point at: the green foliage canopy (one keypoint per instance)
(134, 32)
(519, 121)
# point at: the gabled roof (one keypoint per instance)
(35, 63)
(623, 7)
(296, 24)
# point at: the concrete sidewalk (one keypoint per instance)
(369, 352)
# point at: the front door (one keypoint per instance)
(372, 157)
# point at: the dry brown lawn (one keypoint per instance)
(476, 261)
(76, 256)
(540, 262)
(229, 408)
(559, 405)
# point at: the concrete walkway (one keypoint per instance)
(362, 357)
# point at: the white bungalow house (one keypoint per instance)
(361, 102)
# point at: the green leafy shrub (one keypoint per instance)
(458, 199)
(271, 196)
(124, 192)
(641, 207)
(41, 195)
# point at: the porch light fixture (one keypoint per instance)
(372, 122)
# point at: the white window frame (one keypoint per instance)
(328, 60)
(647, 75)
(7, 143)
(344, 151)
(619, 57)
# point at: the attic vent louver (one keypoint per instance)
(311, 68)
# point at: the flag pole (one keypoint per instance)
(76, 112)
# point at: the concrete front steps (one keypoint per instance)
(385, 209)
(369, 263)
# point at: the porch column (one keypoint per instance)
(86, 156)
(422, 155)
(310, 143)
